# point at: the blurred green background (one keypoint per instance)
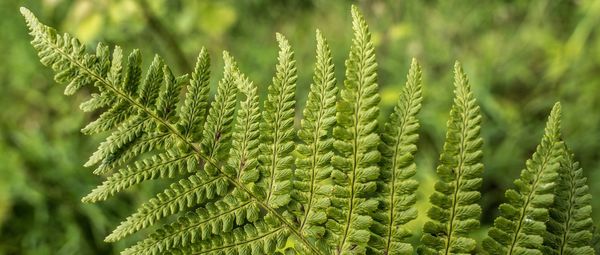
(521, 57)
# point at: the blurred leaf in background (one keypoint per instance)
(521, 56)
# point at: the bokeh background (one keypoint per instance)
(521, 57)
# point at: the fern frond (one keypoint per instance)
(396, 187)
(277, 129)
(521, 225)
(161, 165)
(234, 209)
(243, 156)
(202, 224)
(356, 168)
(151, 103)
(316, 149)
(570, 224)
(455, 213)
(216, 135)
(262, 237)
(193, 111)
(201, 187)
(195, 190)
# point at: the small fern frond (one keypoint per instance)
(455, 213)
(570, 224)
(195, 190)
(193, 110)
(316, 149)
(161, 165)
(216, 135)
(356, 165)
(263, 237)
(202, 224)
(277, 129)
(396, 186)
(521, 225)
(243, 157)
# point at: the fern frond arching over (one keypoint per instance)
(356, 165)
(244, 180)
(520, 228)
(455, 212)
(570, 224)
(142, 115)
(396, 185)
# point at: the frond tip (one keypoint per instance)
(455, 212)
(396, 185)
(356, 164)
(520, 228)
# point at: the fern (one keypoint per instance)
(396, 185)
(356, 168)
(520, 228)
(244, 180)
(277, 130)
(570, 222)
(455, 212)
(315, 151)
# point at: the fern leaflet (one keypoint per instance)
(570, 224)
(521, 225)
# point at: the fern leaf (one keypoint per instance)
(202, 224)
(570, 224)
(193, 111)
(243, 156)
(356, 168)
(161, 165)
(195, 190)
(455, 212)
(312, 162)
(397, 188)
(217, 129)
(129, 154)
(277, 131)
(521, 225)
(150, 102)
(116, 143)
(258, 238)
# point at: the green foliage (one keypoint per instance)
(243, 180)
(455, 212)
(355, 166)
(316, 150)
(396, 185)
(521, 227)
(570, 223)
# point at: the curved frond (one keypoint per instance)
(396, 186)
(521, 225)
(570, 224)
(356, 164)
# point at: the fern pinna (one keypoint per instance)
(245, 180)
(455, 212)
